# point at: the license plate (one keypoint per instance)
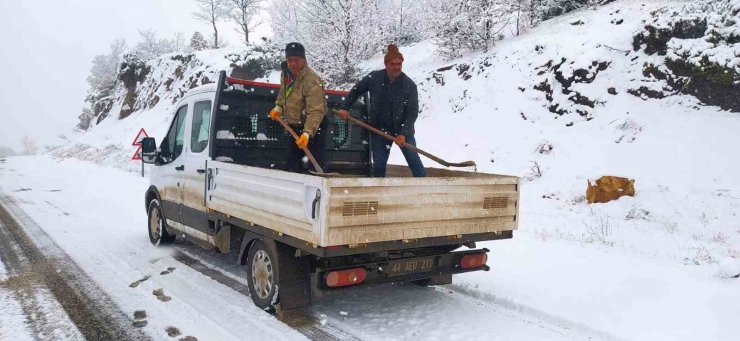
(410, 266)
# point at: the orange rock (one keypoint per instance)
(609, 188)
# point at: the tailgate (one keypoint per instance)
(284, 202)
(368, 210)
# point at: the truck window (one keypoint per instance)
(201, 126)
(173, 142)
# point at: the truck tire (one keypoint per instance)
(262, 276)
(157, 226)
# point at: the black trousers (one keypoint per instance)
(316, 145)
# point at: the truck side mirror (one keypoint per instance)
(149, 150)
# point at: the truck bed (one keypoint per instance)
(361, 210)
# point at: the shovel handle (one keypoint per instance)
(390, 137)
(406, 145)
(305, 149)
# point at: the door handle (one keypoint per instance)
(315, 204)
(180, 168)
(202, 171)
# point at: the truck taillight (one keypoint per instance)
(473, 261)
(342, 278)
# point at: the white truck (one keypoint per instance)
(218, 180)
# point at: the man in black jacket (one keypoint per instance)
(394, 107)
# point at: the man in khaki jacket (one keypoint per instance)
(302, 105)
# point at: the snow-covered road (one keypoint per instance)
(21, 296)
(95, 215)
(44, 294)
(406, 311)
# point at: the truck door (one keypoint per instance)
(194, 213)
(171, 170)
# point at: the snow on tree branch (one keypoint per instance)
(339, 34)
(243, 13)
(151, 47)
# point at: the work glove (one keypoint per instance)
(302, 141)
(401, 140)
(275, 113)
(343, 114)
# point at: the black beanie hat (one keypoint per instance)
(295, 50)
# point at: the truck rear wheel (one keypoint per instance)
(262, 276)
(157, 226)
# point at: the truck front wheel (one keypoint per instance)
(157, 226)
(262, 276)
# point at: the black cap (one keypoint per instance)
(295, 50)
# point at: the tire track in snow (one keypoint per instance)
(13, 298)
(466, 292)
(34, 257)
(37, 313)
(220, 268)
(299, 320)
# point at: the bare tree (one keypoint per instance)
(151, 46)
(104, 72)
(178, 43)
(284, 19)
(402, 20)
(29, 145)
(338, 34)
(524, 14)
(211, 11)
(467, 25)
(243, 13)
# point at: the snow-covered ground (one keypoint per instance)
(657, 266)
(12, 319)
(109, 241)
(94, 214)
(681, 157)
(48, 322)
(3, 271)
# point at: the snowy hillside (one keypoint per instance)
(497, 110)
(146, 95)
(581, 97)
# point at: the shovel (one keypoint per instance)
(305, 149)
(406, 145)
(319, 171)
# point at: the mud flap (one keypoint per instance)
(222, 239)
(294, 279)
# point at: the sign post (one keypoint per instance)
(137, 143)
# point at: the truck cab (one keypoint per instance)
(179, 167)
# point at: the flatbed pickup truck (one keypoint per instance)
(218, 180)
